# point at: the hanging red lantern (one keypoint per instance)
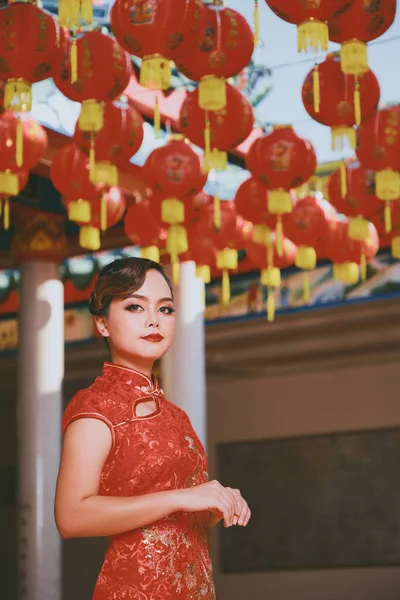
(29, 39)
(308, 227)
(103, 71)
(119, 139)
(220, 130)
(195, 207)
(224, 51)
(348, 254)
(270, 261)
(157, 32)
(143, 230)
(338, 100)
(281, 161)
(106, 210)
(311, 18)
(379, 150)
(359, 199)
(364, 21)
(175, 172)
(70, 174)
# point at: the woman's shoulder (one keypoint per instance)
(95, 401)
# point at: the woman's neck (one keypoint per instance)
(134, 363)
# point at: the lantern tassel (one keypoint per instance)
(271, 305)
(1, 208)
(175, 269)
(207, 140)
(256, 23)
(19, 144)
(316, 89)
(226, 288)
(363, 267)
(343, 179)
(6, 214)
(74, 61)
(92, 156)
(279, 236)
(87, 11)
(388, 217)
(157, 118)
(217, 211)
(103, 213)
(357, 102)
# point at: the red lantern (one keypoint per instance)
(106, 210)
(338, 100)
(360, 198)
(29, 38)
(347, 254)
(364, 21)
(119, 139)
(70, 174)
(379, 150)
(281, 161)
(143, 230)
(224, 51)
(157, 32)
(311, 18)
(195, 207)
(103, 72)
(218, 130)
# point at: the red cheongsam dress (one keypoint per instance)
(170, 558)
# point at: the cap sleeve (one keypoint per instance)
(87, 405)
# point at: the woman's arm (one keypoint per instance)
(81, 512)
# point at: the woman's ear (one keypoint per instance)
(101, 325)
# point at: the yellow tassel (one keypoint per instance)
(175, 270)
(9, 183)
(87, 11)
(357, 102)
(79, 211)
(306, 288)
(89, 238)
(74, 61)
(151, 253)
(1, 208)
(313, 36)
(19, 144)
(343, 137)
(279, 236)
(155, 72)
(271, 305)
(363, 267)
(6, 214)
(69, 13)
(92, 156)
(103, 212)
(226, 288)
(316, 89)
(343, 179)
(396, 247)
(256, 23)
(212, 93)
(91, 117)
(388, 217)
(217, 211)
(157, 118)
(207, 139)
(176, 241)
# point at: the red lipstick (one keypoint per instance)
(154, 337)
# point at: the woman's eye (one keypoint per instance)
(134, 307)
(168, 310)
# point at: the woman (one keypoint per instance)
(132, 468)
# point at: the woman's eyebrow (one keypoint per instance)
(140, 297)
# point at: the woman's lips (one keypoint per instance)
(154, 337)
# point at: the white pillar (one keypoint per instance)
(39, 411)
(183, 368)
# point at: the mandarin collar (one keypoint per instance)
(129, 376)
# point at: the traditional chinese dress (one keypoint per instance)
(170, 558)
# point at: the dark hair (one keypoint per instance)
(120, 279)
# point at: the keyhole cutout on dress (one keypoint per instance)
(145, 408)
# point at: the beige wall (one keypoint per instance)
(362, 397)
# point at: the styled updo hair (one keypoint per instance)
(119, 280)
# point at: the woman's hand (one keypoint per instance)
(224, 503)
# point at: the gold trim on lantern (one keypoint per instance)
(151, 253)
(396, 247)
(343, 137)
(312, 36)
(347, 273)
(79, 211)
(354, 57)
(172, 211)
(387, 184)
(212, 93)
(89, 237)
(9, 183)
(358, 228)
(155, 72)
(91, 117)
(104, 172)
(18, 95)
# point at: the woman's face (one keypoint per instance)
(140, 329)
